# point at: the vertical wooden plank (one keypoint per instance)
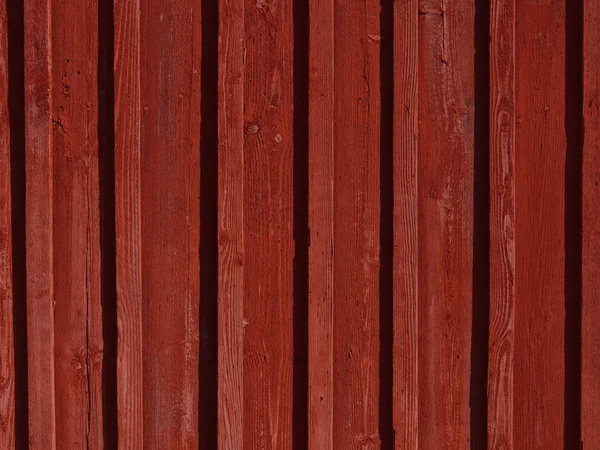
(356, 224)
(446, 125)
(128, 223)
(231, 224)
(539, 224)
(590, 350)
(170, 180)
(78, 310)
(39, 215)
(502, 220)
(406, 362)
(7, 363)
(268, 224)
(38, 225)
(320, 223)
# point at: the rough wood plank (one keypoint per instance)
(590, 351)
(320, 223)
(170, 191)
(78, 311)
(502, 219)
(39, 221)
(356, 227)
(405, 351)
(446, 125)
(128, 223)
(540, 146)
(268, 225)
(231, 224)
(7, 363)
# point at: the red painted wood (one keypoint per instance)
(39, 226)
(405, 220)
(445, 196)
(231, 224)
(356, 225)
(590, 342)
(7, 344)
(77, 311)
(170, 181)
(127, 99)
(268, 224)
(502, 225)
(320, 221)
(540, 146)
(349, 211)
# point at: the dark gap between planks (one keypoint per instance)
(106, 175)
(16, 112)
(386, 236)
(573, 220)
(209, 252)
(301, 239)
(481, 229)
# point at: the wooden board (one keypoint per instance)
(231, 224)
(78, 342)
(500, 402)
(321, 152)
(268, 224)
(445, 231)
(356, 224)
(590, 339)
(127, 154)
(540, 144)
(170, 179)
(405, 225)
(39, 226)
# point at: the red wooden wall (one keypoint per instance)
(290, 224)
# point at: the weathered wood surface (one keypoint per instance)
(265, 224)
(540, 149)
(502, 225)
(590, 314)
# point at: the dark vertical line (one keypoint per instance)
(209, 252)
(16, 111)
(573, 219)
(386, 230)
(106, 175)
(481, 229)
(300, 184)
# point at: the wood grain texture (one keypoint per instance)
(590, 351)
(268, 224)
(7, 342)
(502, 225)
(406, 302)
(170, 195)
(445, 195)
(78, 311)
(320, 223)
(231, 224)
(39, 225)
(128, 223)
(356, 224)
(540, 146)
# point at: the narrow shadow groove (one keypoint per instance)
(209, 252)
(481, 227)
(16, 111)
(106, 175)
(573, 220)
(386, 230)
(300, 182)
